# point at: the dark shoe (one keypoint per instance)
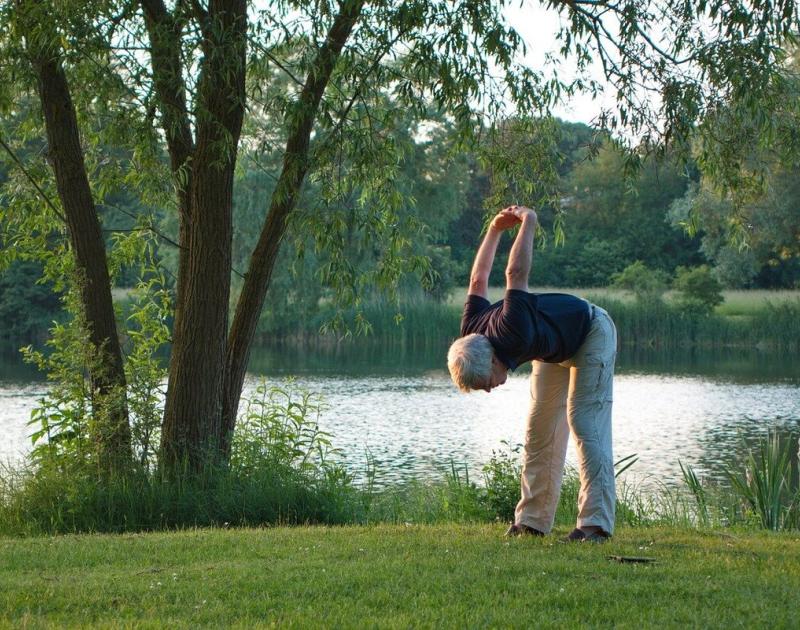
(578, 535)
(518, 529)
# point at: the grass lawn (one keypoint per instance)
(449, 576)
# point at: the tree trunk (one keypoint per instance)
(192, 413)
(284, 199)
(207, 366)
(111, 431)
(164, 32)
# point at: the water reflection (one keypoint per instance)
(744, 366)
(752, 365)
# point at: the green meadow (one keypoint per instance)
(400, 576)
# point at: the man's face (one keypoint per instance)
(497, 376)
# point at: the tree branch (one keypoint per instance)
(276, 61)
(30, 178)
(164, 35)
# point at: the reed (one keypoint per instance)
(654, 324)
(764, 482)
(762, 489)
(697, 491)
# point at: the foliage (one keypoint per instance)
(614, 217)
(149, 311)
(754, 245)
(593, 264)
(501, 476)
(71, 418)
(319, 91)
(281, 425)
(27, 306)
(648, 285)
(698, 289)
(68, 415)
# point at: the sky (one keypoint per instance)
(538, 27)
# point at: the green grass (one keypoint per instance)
(751, 302)
(737, 302)
(448, 576)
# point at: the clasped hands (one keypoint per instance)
(509, 217)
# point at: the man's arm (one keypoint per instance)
(482, 267)
(521, 255)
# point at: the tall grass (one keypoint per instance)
(762, 489)
(283, 470)
(766, 485)
(56, 501)
(657, 324)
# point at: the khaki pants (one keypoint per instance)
(574, 396)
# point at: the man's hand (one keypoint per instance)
(506, 219)
(523, 214)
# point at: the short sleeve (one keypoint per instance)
(473, 307)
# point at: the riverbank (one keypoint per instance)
(398, 577)
(746, 320)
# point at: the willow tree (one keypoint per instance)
(39, 49)
(318, 85)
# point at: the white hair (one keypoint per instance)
(469, 359)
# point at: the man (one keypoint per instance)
(572, 344)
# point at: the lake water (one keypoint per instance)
(401, 408)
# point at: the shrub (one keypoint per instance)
(648, 285)
(501, 479)
(698, 289)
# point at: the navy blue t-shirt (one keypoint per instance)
(524, 326)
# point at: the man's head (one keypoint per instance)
(474, 365)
